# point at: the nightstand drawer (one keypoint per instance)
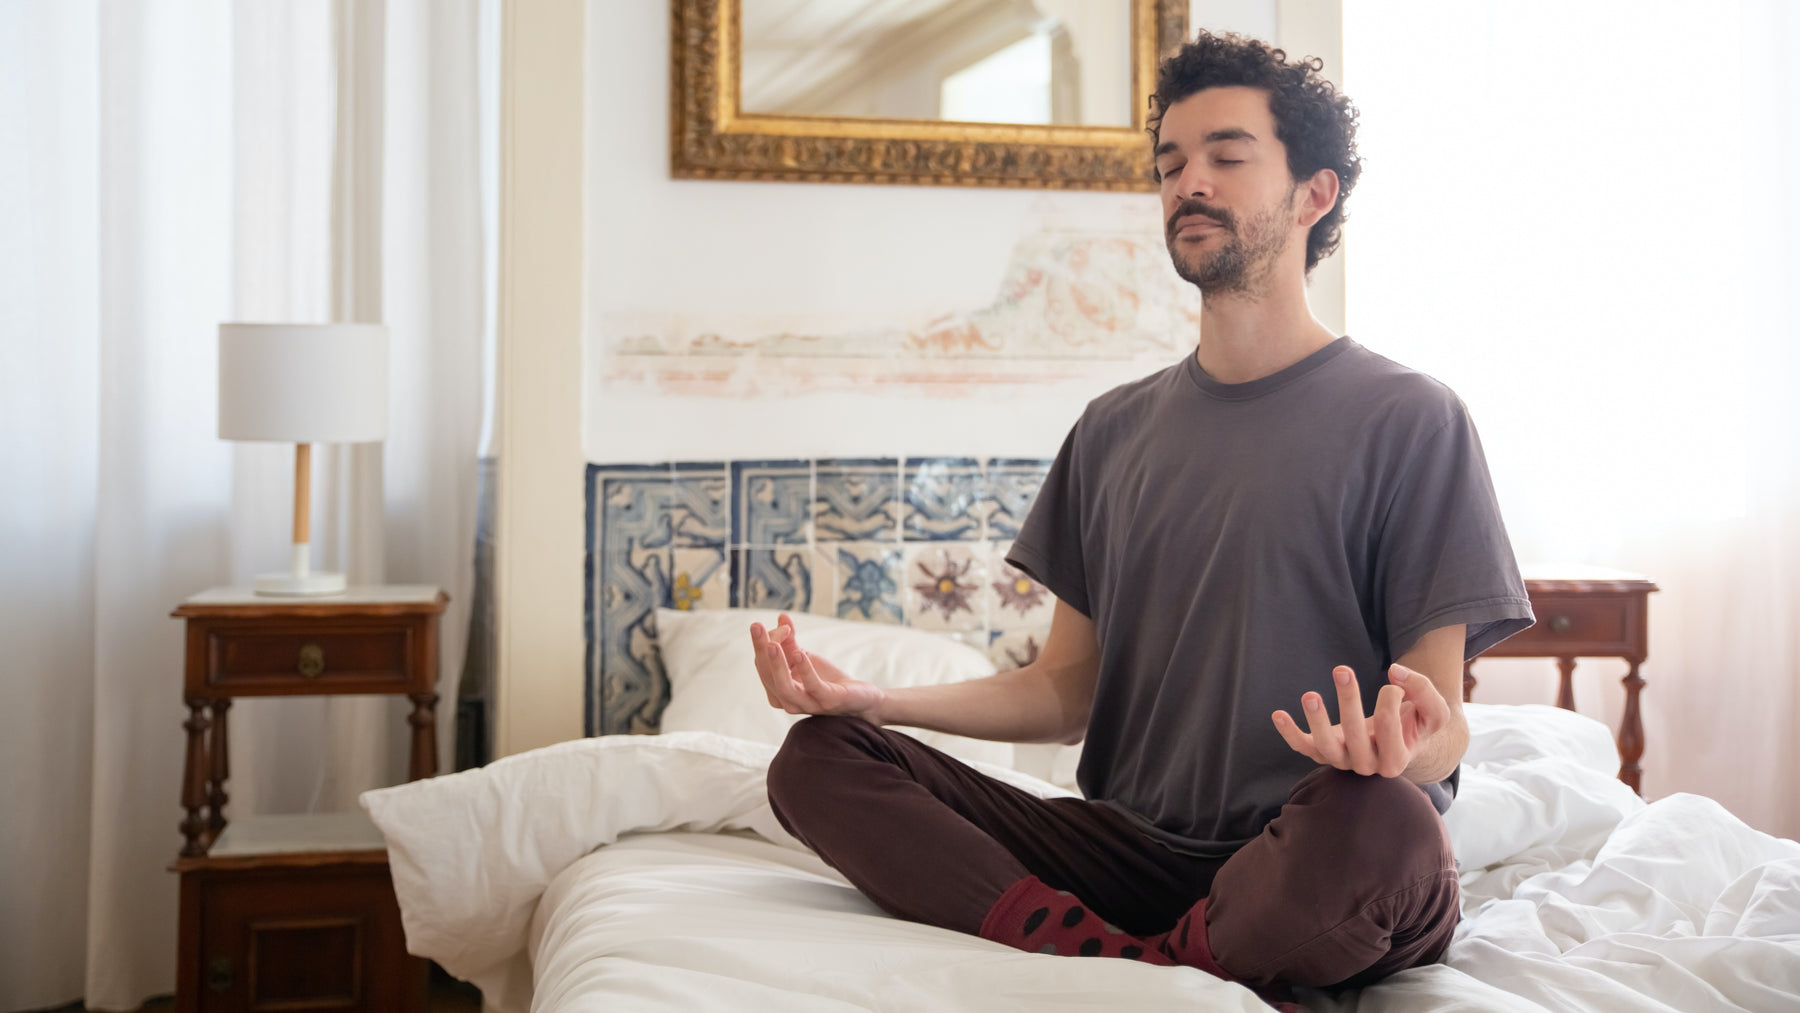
(321, 657)
(1578, 626)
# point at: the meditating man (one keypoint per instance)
(1284, 519)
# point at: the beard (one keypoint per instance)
(1245, 256)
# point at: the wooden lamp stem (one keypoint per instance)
(299, 580)
(302, 491)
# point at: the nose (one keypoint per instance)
(1194, 181)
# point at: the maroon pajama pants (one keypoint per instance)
(1353, 881)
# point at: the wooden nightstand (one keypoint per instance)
(296, 913)
(1587, 612)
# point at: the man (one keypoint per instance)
(1283, 518)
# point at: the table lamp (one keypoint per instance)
(302, 384)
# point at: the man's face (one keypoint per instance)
(1228, 200)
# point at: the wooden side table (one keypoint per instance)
(1587, 612)
(296, 912)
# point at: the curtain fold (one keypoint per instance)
(172, 166)
(1578, 226)
(164, 476)
(49, 414)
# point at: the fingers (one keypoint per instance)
(788, 637)
(800, 667)
(1433, 709)
(772, 668)
(1392, 752)
(1406, 710)
(809, 676)
(1359, 752)
(1296, 739)
(759, 646)
(1327, 738)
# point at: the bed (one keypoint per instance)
(637, 871)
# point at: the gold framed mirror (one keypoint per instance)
(1047, 94)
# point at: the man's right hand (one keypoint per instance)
(801, 683)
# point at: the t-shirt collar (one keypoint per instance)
(1262, 385)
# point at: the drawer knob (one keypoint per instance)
(312, 660)
(1560, 624)
(218, 974)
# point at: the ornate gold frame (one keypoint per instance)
(710, 138)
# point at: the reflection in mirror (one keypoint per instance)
(984, 61)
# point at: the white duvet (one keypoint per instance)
(647, 873)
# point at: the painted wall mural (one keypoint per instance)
(1080, 292)
(916, 541)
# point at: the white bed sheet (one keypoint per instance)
(683, 922)
(647, 873)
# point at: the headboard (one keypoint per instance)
(917, 541)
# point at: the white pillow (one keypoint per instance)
(713, 685)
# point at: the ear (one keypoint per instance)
(1317, 197)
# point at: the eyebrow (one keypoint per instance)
(1227, 134)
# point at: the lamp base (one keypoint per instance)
(296, 585)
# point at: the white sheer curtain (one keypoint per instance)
(1577, 215)
(165, 167)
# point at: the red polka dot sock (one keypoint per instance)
(1036, 918)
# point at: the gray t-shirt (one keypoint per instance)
(1234, 542)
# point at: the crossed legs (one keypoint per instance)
(1353, 881)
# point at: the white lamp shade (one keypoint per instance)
(303, 383)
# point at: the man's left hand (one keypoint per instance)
(1408, 711)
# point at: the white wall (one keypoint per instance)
(868, 255)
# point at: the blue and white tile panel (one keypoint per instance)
(918, 542)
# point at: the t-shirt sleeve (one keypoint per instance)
(1049, 543)
(1444, 557)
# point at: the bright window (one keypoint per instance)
(1559, 218)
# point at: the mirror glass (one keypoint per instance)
(1064, 62)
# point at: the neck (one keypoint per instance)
(1248, 335)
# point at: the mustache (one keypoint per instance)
(1192, 206)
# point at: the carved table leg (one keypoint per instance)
(1468, 679)
(193, 780)
(221, 771)
(1631, 731)
(424, 736)
(1565, 693)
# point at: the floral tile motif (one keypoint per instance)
(1015, 648)
(875, 540)
(772, 502)
(698, 579)
(1011, 487)
(1018, 600)
(943, 499)
(945, 586)
(867, 582)
(857, 500)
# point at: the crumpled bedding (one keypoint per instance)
(647, 873)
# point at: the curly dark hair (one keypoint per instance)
(1314, 121)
